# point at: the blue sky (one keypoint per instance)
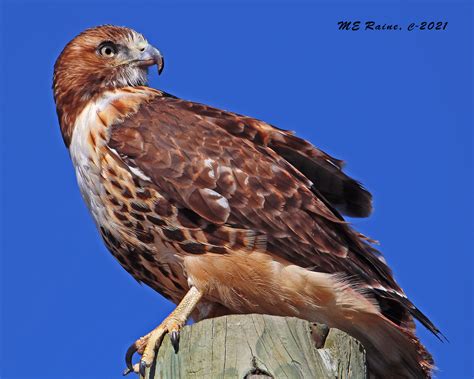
(397, 106)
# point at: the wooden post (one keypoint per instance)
(259, 347)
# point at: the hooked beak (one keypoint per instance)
(151, 56)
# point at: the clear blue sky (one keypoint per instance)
(397, 106)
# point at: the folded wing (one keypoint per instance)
(242, 174)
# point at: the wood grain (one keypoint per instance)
(259, 347)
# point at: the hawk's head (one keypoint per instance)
(101, 58)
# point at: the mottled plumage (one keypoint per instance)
(189, 196)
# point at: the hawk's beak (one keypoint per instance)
(151, 56)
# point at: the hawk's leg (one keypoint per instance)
(149, 344)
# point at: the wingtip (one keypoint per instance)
(358, 200)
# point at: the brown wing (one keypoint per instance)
(342, 192)
(227, 171)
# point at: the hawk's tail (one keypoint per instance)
(392, 351)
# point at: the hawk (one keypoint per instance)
(222, 213)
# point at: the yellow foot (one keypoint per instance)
(148, 345)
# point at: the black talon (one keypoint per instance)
(126, 371)
(174, 337)
(128, 358)
(142, 368)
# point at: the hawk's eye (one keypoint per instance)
(107, 49)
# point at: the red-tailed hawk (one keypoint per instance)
(222, 213)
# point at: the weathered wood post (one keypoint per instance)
(259, 347)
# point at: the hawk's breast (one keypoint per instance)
(128, 211)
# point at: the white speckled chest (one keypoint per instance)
(122, 200)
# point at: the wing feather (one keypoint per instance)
(344, 193)
(236, 173)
